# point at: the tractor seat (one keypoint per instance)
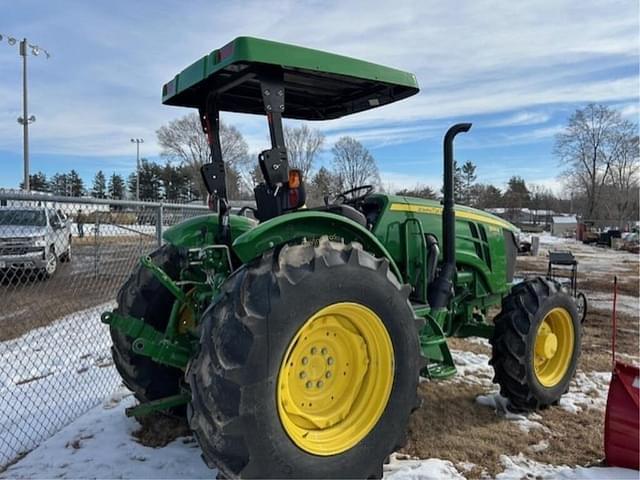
(344, 210)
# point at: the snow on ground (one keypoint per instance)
(587, 389)
(57, 373)
(516, 468)
(624, 303)
(114, 230)
(591, 259)
(99, 445)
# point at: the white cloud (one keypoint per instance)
(102, 85)
(394, 181)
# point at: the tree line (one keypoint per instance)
(598, 150)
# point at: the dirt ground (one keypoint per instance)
(451, 425)
(94, 275)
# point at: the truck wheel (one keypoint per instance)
(66, 256)
(308, 366)
(143, 296)
(536, 344)
(51, 263)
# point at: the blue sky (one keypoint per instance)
(517, 70)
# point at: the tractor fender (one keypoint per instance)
(201, 230)
(307, 224)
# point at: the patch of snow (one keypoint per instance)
(472, 367)
(430, 469)
(541, 446)
(57, 373)
(466, 466)
(624, 303)
(526, 422)
(91, 229)
(99, 445)
(479, 341)
(519, 467)
(587, 390)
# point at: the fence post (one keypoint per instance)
(96, 249)
(159, 219)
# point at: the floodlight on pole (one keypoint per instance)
(25, 119)
(137, 141)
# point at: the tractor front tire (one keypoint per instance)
(144, 297)
(308, 366)
(536, 344)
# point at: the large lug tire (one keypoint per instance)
(143, 296)
(536, 344)
(254, 341)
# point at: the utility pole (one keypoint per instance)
(25, 119)
(137, 141)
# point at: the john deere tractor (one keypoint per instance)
(294, 344)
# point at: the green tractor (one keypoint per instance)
(294, 344)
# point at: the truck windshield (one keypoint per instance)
(23, 217)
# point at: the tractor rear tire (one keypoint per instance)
(144, 297)
(244, 381)
(536, 344)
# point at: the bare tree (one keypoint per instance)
(623, 179)
(589, 144)
(354, 164)
(183, 140)
(303, 145)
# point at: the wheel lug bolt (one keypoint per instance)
(328, 374)
(319, 384)
(314, 350)
(309, 385)
(305, 360)
(303, 374)
(324, 351)
(329, 361)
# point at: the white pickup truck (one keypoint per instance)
(33, 238)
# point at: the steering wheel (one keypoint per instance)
(349, 197)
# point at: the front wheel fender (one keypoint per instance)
(307, 224)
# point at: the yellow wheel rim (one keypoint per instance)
(554, 347)
(335, 379)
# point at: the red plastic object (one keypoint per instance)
(621, 421)
(622, 417)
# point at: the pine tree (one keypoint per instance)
(116, 187)
(99, 189)
(75, 184)
(468, 177)
(37, 182)
(59, 183)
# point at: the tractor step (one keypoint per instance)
(439, 371)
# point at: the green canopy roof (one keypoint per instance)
(318, 85)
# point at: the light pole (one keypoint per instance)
(25, 119)
(137, 141)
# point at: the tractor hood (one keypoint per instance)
(433, 207)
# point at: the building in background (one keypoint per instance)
(564, 226)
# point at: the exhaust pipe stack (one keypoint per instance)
(442, 288)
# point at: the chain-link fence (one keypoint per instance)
(62, 261)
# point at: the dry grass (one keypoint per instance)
(157, 430)
(451, 426)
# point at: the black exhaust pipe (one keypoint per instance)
(442, 288)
